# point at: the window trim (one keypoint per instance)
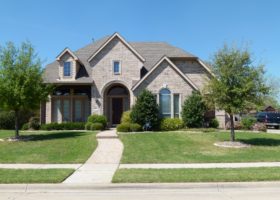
(70, 69)
(179, 104)
(113, 67)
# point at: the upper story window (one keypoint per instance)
(67, 69)
(116, 67)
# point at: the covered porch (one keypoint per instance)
(69, 103)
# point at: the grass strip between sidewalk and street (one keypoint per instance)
(34, 175)
(197, 175)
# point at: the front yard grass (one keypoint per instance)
(190, 147)
(48, 147)
(196, 175)
(34, 175)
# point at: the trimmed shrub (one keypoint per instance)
(96, 126)
(98, 119)
(126, 117)
(125, 127)
(25, 127)
(146, 111)
(237, 125)
(34, 123)
(259, 127)
(88, 125)
(7, 120)
(248, 122)
(133, 127)
(193, 111)
(171, 124)
(214, 123)
(64, 126)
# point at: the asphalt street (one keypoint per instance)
(199, 191)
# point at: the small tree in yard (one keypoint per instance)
(21, 83)
(146, 110)
(238, 84)
(193, 110)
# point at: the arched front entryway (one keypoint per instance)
(116, 101)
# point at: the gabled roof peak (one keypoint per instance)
(116, 34)
(67, 50)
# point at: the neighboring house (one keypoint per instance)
(269, 109)
(105, 77)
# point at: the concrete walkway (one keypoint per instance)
(103, 163)
(199, 165)
(40, 166)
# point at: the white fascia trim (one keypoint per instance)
(205, 67)
(123, 40)
(68, 51)
(172, 65)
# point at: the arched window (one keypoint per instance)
(165, 102)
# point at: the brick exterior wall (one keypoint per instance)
(102, 72)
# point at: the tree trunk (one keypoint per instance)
(232, 134)
(17, 124)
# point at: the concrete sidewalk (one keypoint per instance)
(103, 163)
(199, 165)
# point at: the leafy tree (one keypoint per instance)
(146, 110)
(193, 110)
(238, 85)
(21, 83)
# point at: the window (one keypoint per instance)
(165, 102)
(117, 67)
(176, 105)
(66, 110)
(67, 69)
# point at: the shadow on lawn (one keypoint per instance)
(54, 136)
(261, 141)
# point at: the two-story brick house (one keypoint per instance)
(106, 76)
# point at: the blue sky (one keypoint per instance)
(200, 27)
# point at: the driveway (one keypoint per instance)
(199, 191)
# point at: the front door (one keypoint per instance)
(117, 110)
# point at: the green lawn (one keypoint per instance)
(48, 147)
(187, 147)
(34, 175)
(196, 175)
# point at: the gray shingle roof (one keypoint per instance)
(151, 51)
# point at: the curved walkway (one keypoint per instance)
(103, 163)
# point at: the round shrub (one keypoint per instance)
(34, 123)
(126, 117)
(7, 120)
(259, 127)
(193, 111)
(96, 126)
(145, 110)
(171, 124)
(134, 127)
(214, 123)
(88, 125)
(98, 119)
(25, 127)
(125, 127)
(248, 122)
